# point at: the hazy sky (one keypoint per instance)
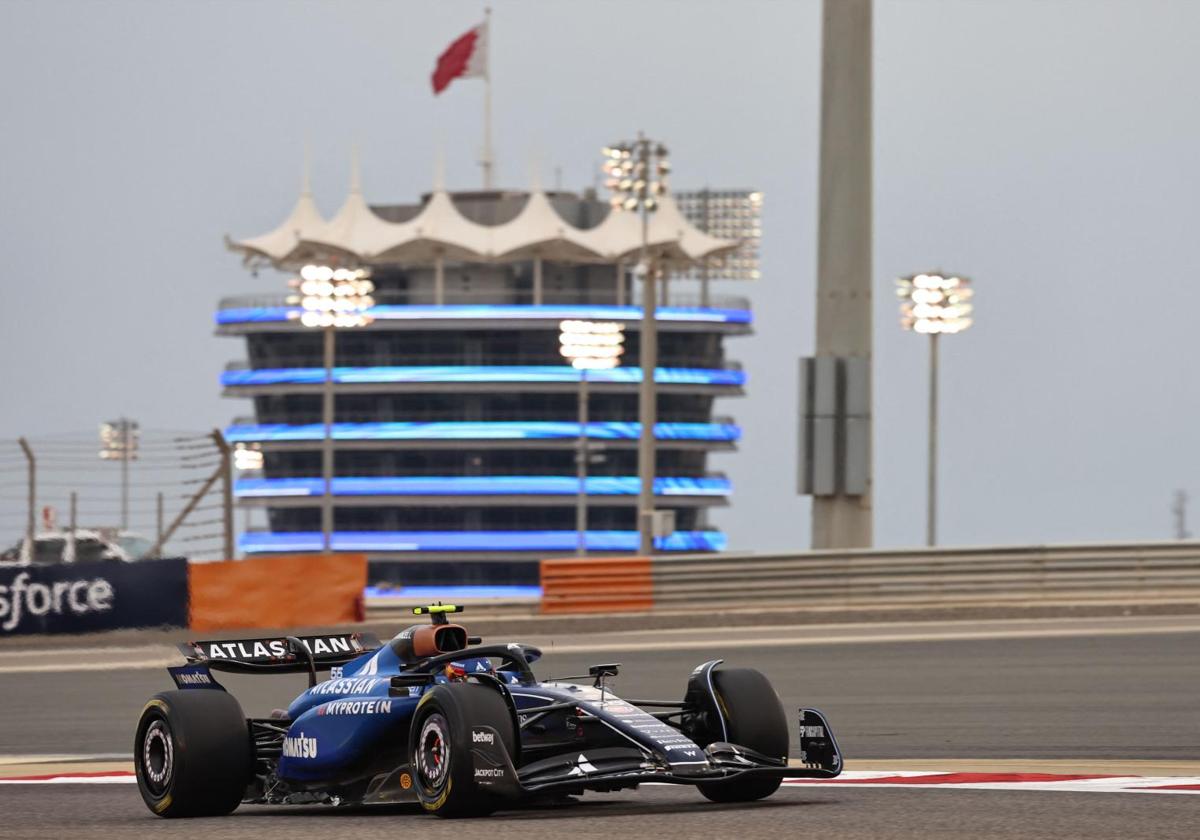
(1046, 149)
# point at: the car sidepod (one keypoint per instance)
(335, 731)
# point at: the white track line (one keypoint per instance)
(60, 758)
(119, 665)
(75, 779)
(1065, 783)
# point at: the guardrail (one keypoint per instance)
(910, 577)
(396, 608)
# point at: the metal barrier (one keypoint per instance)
(909, 577)
(590, 585)
(396, 609)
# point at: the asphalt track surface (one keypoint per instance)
(111, 812)
(1119, 689)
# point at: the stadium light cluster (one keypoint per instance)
(119, 440)
(332, 297)
(934, 304)
(592, 345)
(637, 174)
(247, 457)
(729, 214)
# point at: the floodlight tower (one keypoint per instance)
(637, 175)
(331, 299)
(588, 345)
(934, 304)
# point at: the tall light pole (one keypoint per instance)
(934, 304)
(119, 442)
(589, 345)
(637, 175)
(331, 299)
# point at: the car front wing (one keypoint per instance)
(613, 768)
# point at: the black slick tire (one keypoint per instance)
(755, 719)
(440, 747)
(192, 754)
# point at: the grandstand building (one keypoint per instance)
(455, 426)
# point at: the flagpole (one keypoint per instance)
(487, 101)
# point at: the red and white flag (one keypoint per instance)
(466, 58)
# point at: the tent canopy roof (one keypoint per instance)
(356, 233)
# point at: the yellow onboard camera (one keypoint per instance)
(438, 612)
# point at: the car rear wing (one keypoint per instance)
(279, 654)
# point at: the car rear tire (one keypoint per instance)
(440, 747)
(192, 754)
(755, 719)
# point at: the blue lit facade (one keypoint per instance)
(432, 433)
(471, 543)
(512, 374)
(487, 312)
(455, 423)
(279, 489)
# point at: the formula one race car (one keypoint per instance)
(436, 717)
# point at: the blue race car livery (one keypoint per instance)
(436, 717)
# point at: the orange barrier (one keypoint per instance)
(605, 584)
(294, 590)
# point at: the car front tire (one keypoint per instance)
(754, 719)
(440, 747)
